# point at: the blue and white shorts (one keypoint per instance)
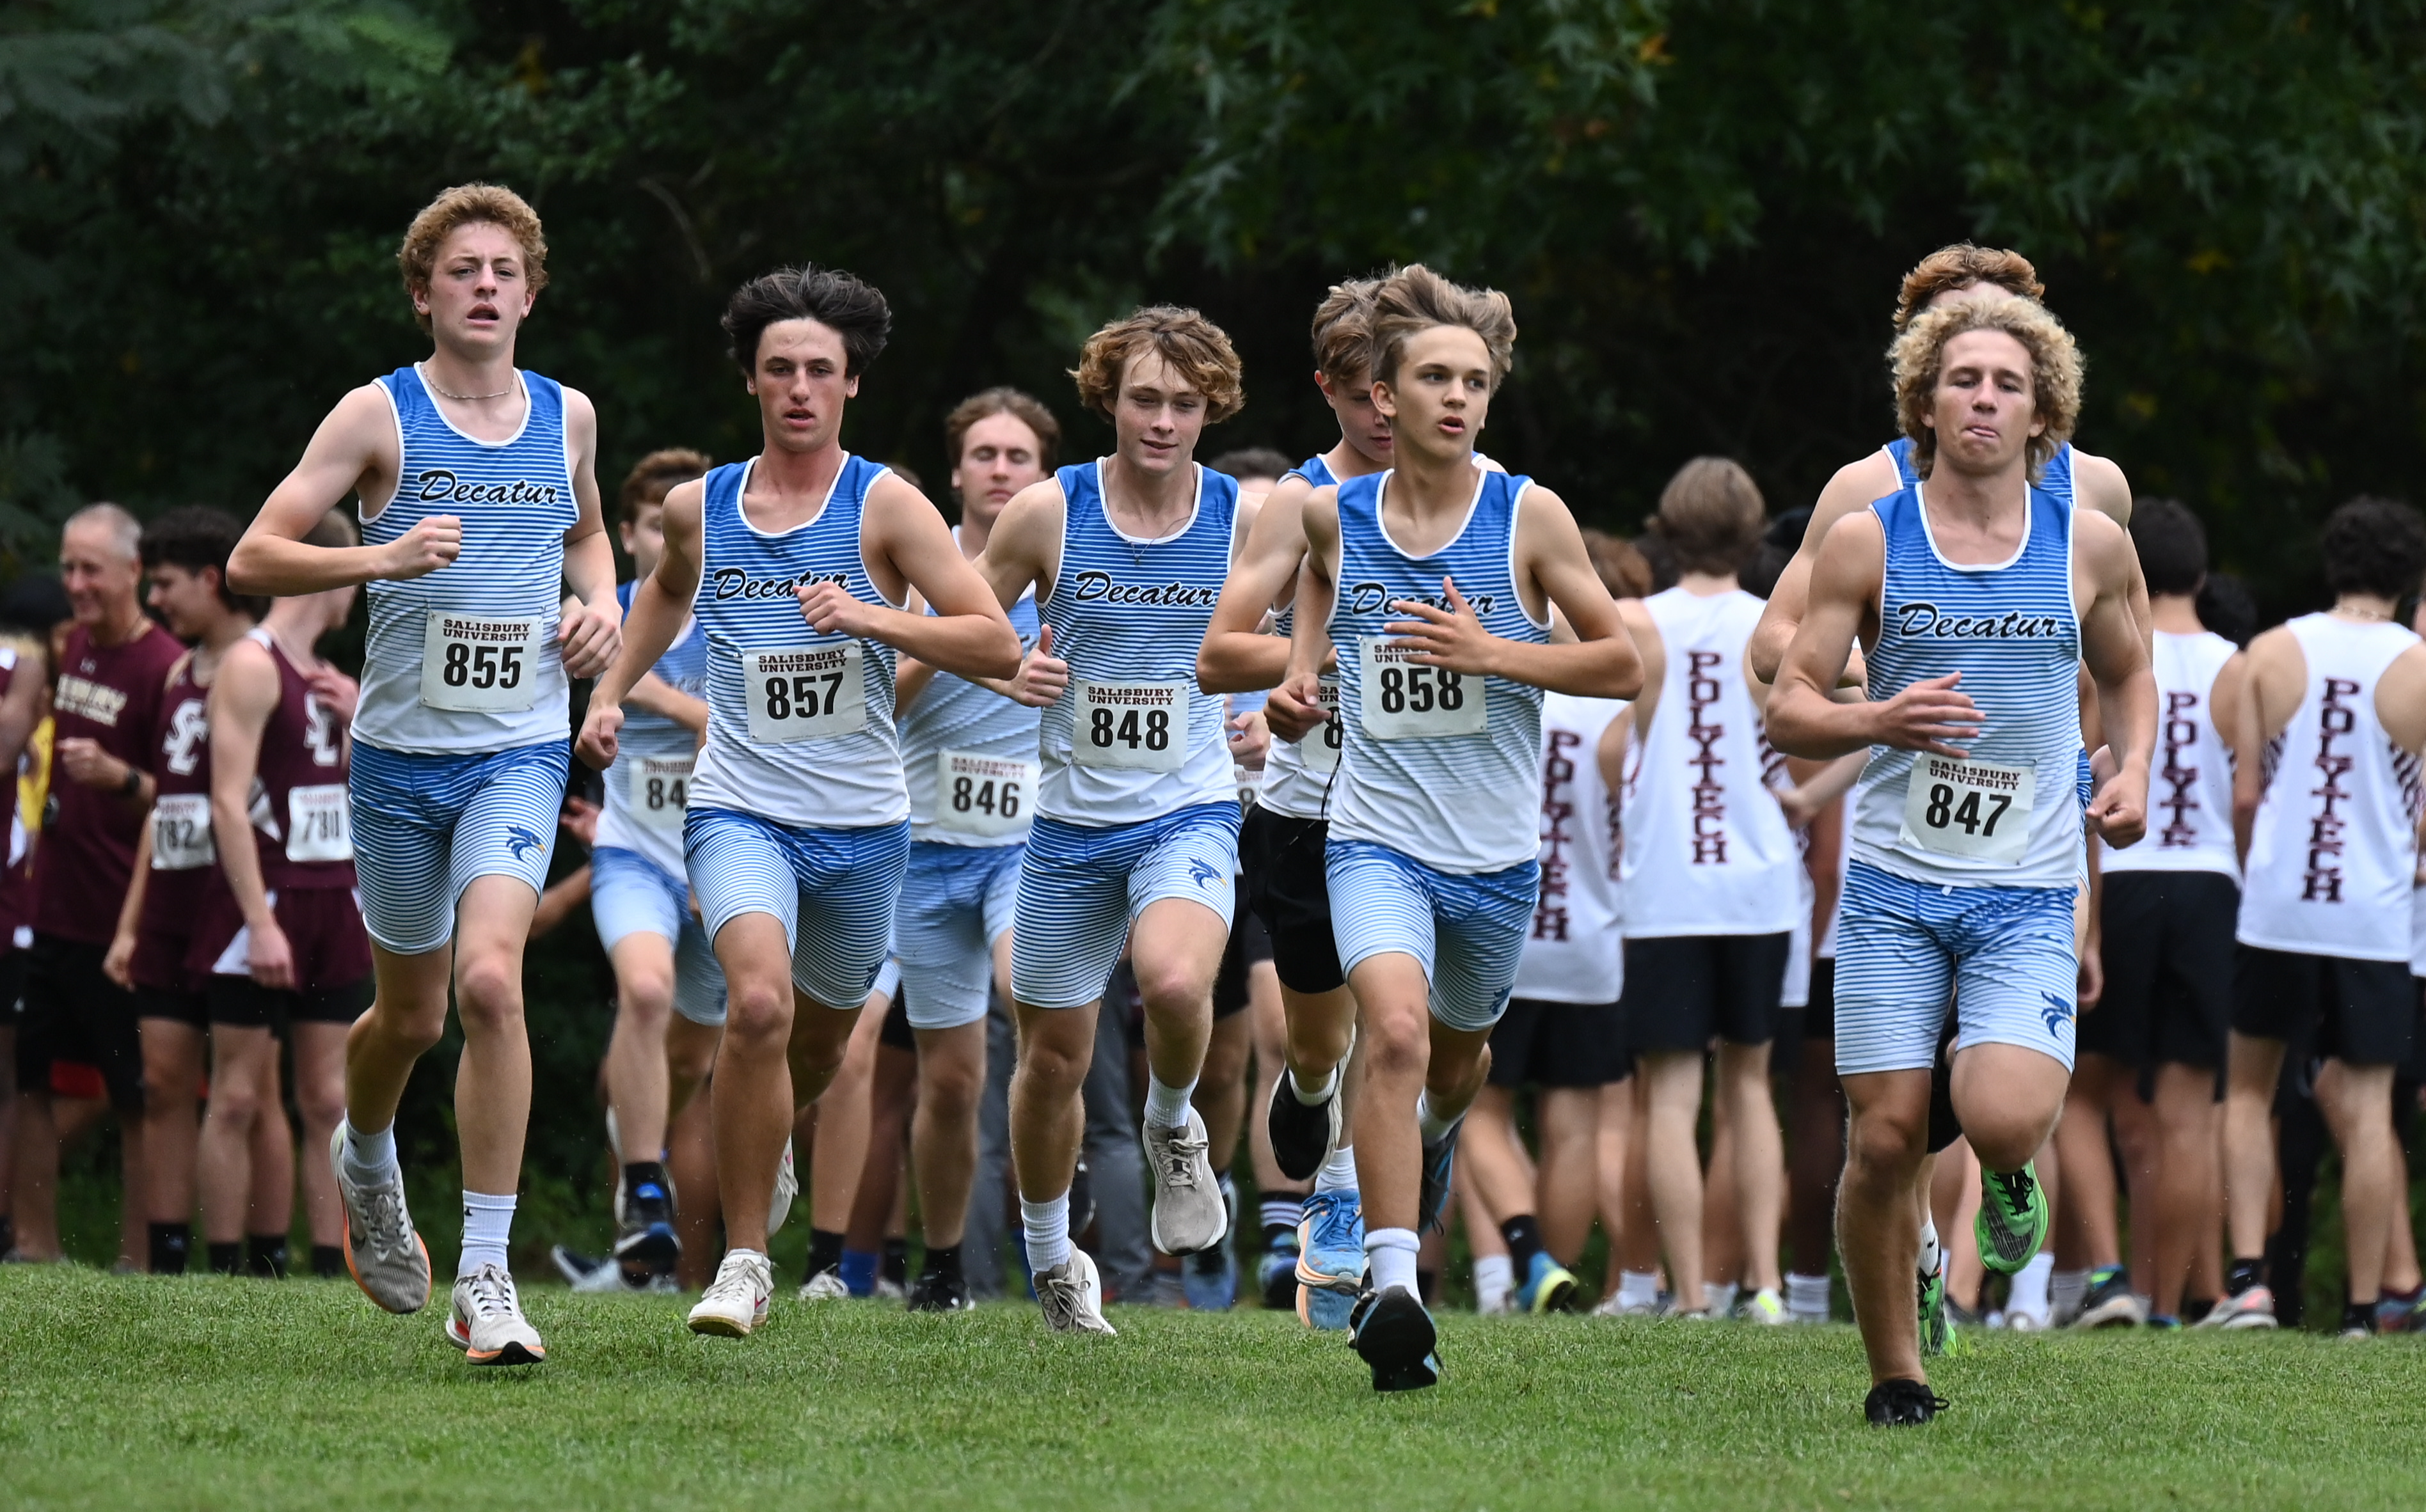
(1467, 932)
(424, 826)
(955, 905)
(832, 889)
(630, 894)
(1081, 888)
(2002, 955)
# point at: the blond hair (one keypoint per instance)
(1959, 266)
(1196, 348)
(1919, 357)
(470, 204)
(1711, 516)
(1002, 399)
(1413, 299)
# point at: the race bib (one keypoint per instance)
(1978, 811)
(181, 832)
(813, 693)
(1141, 726)
(479, 664)
(319, 823)
(1404, 700)
(1319, 750)
(978, 795)
(661, 789)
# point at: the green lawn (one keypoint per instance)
(203, 1393)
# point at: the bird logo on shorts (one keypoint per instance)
(1203, 874)
(2057, 1011)
(519, 840)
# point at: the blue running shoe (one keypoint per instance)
(1395, 1337)
(1438, 1161)
(1276, 1272)
(1549, 1287)
(1210, 1279)
(1331, 1258)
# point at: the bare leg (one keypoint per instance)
(173, 1075)
(1877, 1231)
(1048, 1122)
(1638, 1229)
(1818, 1156)
(753, 1104)
(34, 1184)
(1267, 1022)
(690, 1164)
(892, 1085)
(1567, 1184)
(636, 1087)
(1674, 1082)
(1723, 1242)
(2185, 1118)
(840, 1081)
(2142, 1143)
(244, 1075)
(1220, 1097)
(943, 1132)
(1175, 950)
(2253, 1067)
(1492, 1158)
(2086, 1237)
(320, 1097)
(1760, 1158)
(2357, 1105)
(1954, 1198)
(1410, 1057)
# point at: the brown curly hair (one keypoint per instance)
(470, 204)
(1918, 355)
(1196, 348)
(1413, 299)
(1960, 265)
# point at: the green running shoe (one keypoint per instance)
(2013, 1220)
(1938, 1335)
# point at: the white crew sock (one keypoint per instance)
(1494, 1279)
(1390, 1256)
(1434, 1127)
(2028, 1292)
(2066, 1290)
(1047, 1225)
(1319, 1092)
(369, 1156)
(1929, 1255)
(1165, 1107)
(1637, 1289)
(1806, 1297)
(1720, 1296)
(1338, 1173)
(488, 1222)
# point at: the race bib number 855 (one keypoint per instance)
(1141, 726)
(1404, 700)
(813, 693)
(1980, 810)
(479, 664)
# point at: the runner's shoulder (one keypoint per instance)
(2098, 482)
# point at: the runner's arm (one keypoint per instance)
(659, 696)
(354, 451)
(115, 961)
(1310, 647)
(1856, 485)
(1236, 657)
(588, 633)
(1024, 551)
(968, 635)
(243, 697)
(1804, 720)
(21, 709)
(659, 604)
(2115, 648)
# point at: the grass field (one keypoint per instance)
(125, 1392)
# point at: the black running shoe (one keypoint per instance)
(934, 1291)
(1438, 1159)
(1902, 1403)
(1394, 1336)
(645, 1239)
(1303, 1133)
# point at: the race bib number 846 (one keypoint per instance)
(1978, 811)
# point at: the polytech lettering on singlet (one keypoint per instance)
(2189, 789)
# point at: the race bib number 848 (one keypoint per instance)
(1141, 726)
(1978, 811)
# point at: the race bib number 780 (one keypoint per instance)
(1978, 811)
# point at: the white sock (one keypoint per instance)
(1318, 1093)
(1338, 1173)
(1434, 1127)
(1721, 1296)
(1047, 1227)
(1637, 1287)
(2065, 1289)
(1494, 1278)
(1806, 1296)
(488, 1222)
(1390, 1255)
(370, 1155)
(2028, 1292)
(1929, 1251)
(1165, 1107)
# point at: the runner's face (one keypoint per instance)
(479, 290)
(189, 600)
(1158, 416)
(101, 580)
(644, 539)
(799, 379)
(1442, 394)
(1983, 415)
(1366, 429)
(999, 456)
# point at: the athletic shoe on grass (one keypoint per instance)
(1549, 1286)
(1331, 1258)
(1766, 1308)
(2252, 1308)
(1276, 1272)
(1394, 1336)
(2109, 1302)
(825, 1286)
(1902, 1403)
(2013, 1220)
(1072, 1296)
(385, 1255)
(486, 1320)
(1189, 1212)
(1304, 1133)
(735, 1302)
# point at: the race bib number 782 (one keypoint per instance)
(1978, 811)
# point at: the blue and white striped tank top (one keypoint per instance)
(1134, 737)
(963, 745)
(2056, 477)
(648, 786)
(792, 735)
(1292, 785)
(487, 685)
(1423, 769)
(2011, 629)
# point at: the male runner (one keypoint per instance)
(113, 673)
(1436, 582)
(969, 753)
(2167, 910)
(1976, 597)
(1710, 884)
(794, 564)
(480, 505)
(2331, 848)
(185, 556)
(279, 941)
(1137, 828)
(640, 894)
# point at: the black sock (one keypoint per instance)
(1427, 1285)
(895, 1267)
(2358, 1315)
(2196, 1308)
(170, 1244)
(7, 1234)
(945, 1261)
(329, 1262)
(226, 1258)
(1275, 1233)
(266, 1255)
(2243, 1275)
(825, 1252)
(1524, 1236)
(641, 1173)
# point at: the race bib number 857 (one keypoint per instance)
(813, 693)
(1980, 810)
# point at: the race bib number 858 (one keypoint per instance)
(1980, 810)
(1406, 700)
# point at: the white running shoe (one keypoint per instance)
(1611, 1306)
(487, 1322)
(2021, 1320)
(787, 1186)
(387, 1258)
(1189, 1212)
(735, 1301)
(825, 1286)
(1765, 1306)
(2252, 1308)
(1073, 1295)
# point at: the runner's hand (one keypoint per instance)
(1928, 716)
(270, 956)
(118, 963)
(432, 542)
(1250, 740)
(591, 639)
(336, 692)
(579, 819)
(2119, 814)
(1043, 677)
(1452, 637)
(831, 610)
(597, 742)
(1292, 713)
(88, 766)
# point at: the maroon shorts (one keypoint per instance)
(164, 943)
(332, 954)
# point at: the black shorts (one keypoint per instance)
(241, 1002)
(1820, 1014)
(75, 1013)
(1250, 945)
(2166, 941)
(189, 1009)
(2363, 1011)
(1280, 861)
(1559, 1044)
(1682, 990)
(895, 1030)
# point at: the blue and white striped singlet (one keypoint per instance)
(2055, 478)
(647, 786)
(957, 716)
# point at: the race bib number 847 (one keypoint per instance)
(1978, 811)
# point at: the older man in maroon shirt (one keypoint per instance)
(111, 677)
